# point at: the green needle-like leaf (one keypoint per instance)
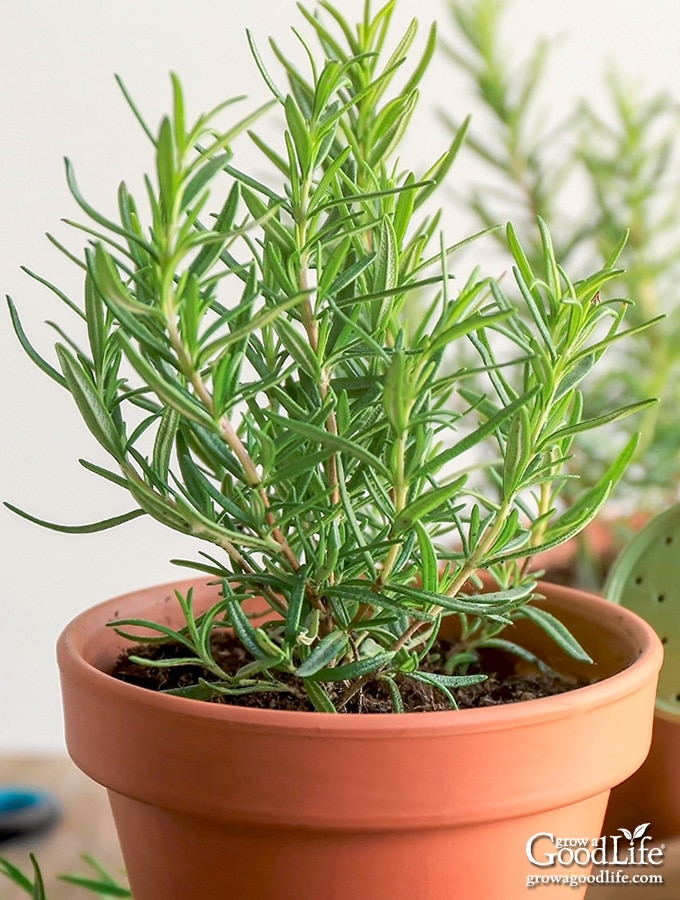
(171, 393)
(556, 631)
(31, 352)
(91, 528)
(334, 442)
(588, 424)
(332, 646)
(357, 669)
(16, 876)
(425, 504)
(322, 702)
(94, 413)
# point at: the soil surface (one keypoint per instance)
(505, 684)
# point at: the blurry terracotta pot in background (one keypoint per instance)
(220, 801)
(652, 794)
(646, 579)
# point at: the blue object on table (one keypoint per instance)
(26, 811)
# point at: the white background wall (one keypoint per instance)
(58, 97)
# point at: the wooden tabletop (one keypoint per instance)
(87, 827)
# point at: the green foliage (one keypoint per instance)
(253, 374)
(100, 883)
(624, 161)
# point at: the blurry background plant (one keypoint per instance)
(245, 360)
(100, 883)
(592, 175)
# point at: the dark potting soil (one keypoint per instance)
(503, 685)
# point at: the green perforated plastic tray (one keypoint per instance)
(646, 579)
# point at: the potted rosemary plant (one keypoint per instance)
(263, 361)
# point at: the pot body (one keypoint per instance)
(213, 800)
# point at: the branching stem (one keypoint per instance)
(231, 438)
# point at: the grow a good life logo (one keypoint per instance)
(630, 857)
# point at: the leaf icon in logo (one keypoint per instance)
(638, 833)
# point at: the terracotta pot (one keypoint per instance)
(652, 794)
(645, 579)
(227, 802)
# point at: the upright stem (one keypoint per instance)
(471, 566)
(311, 326)
(231, 438)
(400, 494)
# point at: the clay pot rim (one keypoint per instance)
(72, 642)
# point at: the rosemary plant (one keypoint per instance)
(623, 162)
(251, 370)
